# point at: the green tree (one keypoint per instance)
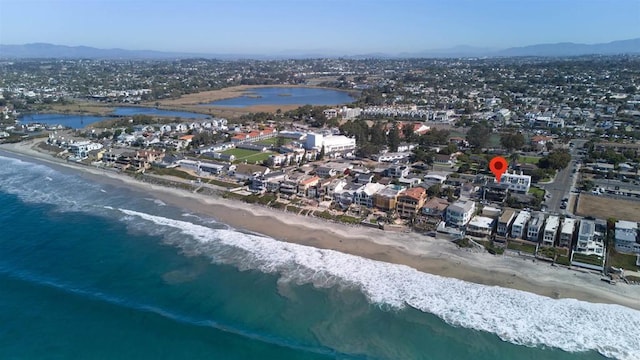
(321, 154)
(512, 141)
(393, 138)
(478, 136)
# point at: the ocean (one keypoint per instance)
(90, 270)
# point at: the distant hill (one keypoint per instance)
(572, 49)
(44, 50)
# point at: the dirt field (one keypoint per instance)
(604, 207)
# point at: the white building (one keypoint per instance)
(550, 230)
(516, 182)
(519, 224)
(459, 213)
(82, 148)
(331, 143)
(480, 226)
(566, 232)
(534, 227)
(364, 195)
(627, 237)
(391, 157)
(590, 241)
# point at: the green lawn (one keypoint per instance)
(622, 260)
(529, 159)
(528, 248)
(273, 141)
(256, 158)
(250, 156)
(536, 191)
(588, 259)
(240, 153)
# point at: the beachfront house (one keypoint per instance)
(480, 226)
(550, 230)
(566, 232)
(534, 227)
(459, 213)
(410, 202)
(364, 195)
(387, 198)
(626, 237)
(590, 241)
(519, 225)
(505, 221)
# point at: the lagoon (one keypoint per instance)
(72, 121)
(80, 121)
(286, 96)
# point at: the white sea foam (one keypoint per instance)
(157, 201)
(515, 316)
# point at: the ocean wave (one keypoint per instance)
(72, 289)
(157, 201)
(37, 183)
(515, 316)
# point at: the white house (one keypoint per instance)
(519, 224)
(626, 237)
(480, 226)
(459, 213)
(590, 241)
(550, 230)
(364, 195)
(516, 182)
(566, 232)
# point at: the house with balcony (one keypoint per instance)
(566, 232)
(397, 171)
(519, 225)
(336, 185)
(516, 182)
(365, 194)
(432, 213)
(550, 231)
(590, 241)
(326, 171)
(460, 213)
(505, 221)
(626, 237)
(480, 226)
(307, 182)
(387, 198)
(344, 197)
(534, 227)
(410, 202)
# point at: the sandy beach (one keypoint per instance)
(427, 254)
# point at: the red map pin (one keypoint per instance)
(498, 166)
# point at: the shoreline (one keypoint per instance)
(423, 253)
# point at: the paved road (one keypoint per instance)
(564, 182)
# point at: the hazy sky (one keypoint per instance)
(331, 27)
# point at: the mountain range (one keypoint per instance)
(44, 50)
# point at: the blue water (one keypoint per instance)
(92, 270)
(287, 96)
(130, 111)
(80, 121)
(72, 121)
